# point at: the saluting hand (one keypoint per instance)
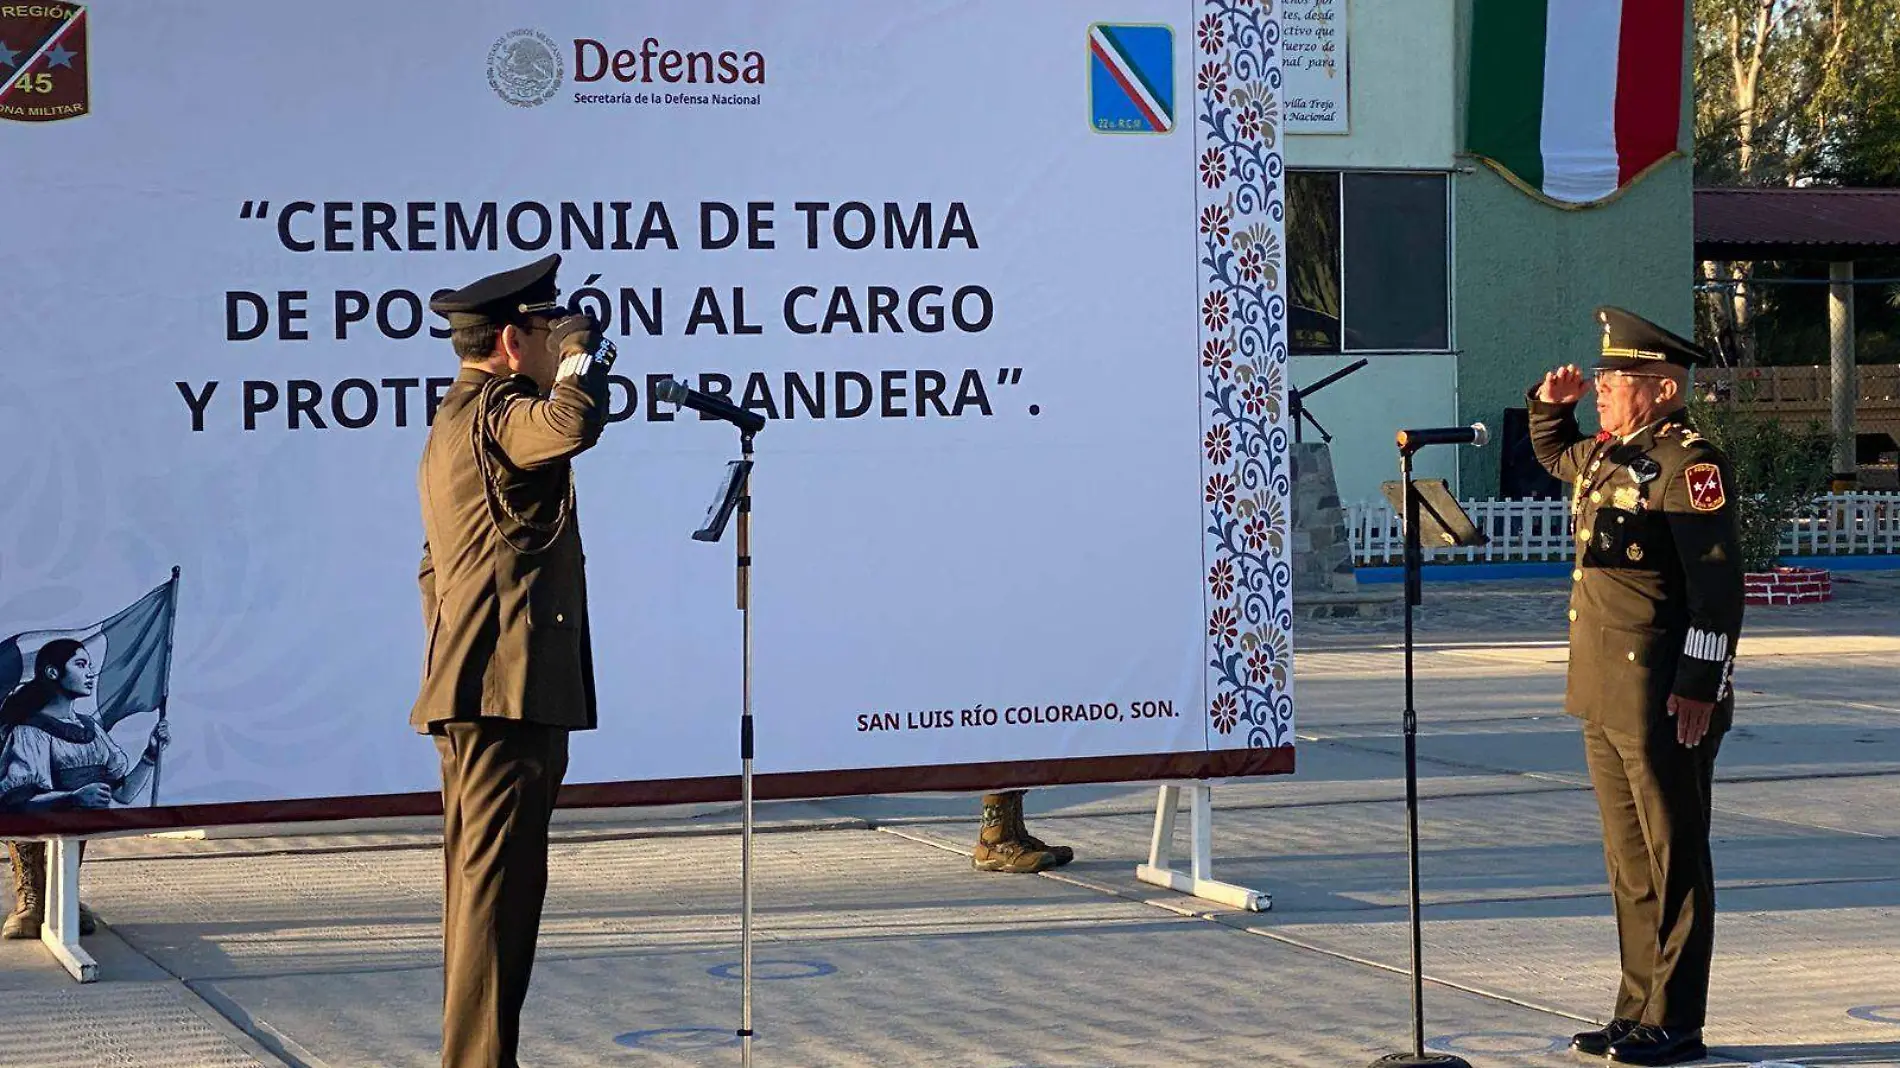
(1565, 385)
(1692, 718)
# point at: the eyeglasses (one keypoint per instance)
(1623, 378)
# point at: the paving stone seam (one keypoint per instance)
(412, 841)
(1461, 765)
(1227, 920)
(1790, 699)
(221, 1023)
(1399, 647)
(1731, 811)
(428, 841)
(1566, 783)
(275, 1047)
(1247, 806)
(1232, 921)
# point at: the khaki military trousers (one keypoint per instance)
(499, 782)
(1653, 794)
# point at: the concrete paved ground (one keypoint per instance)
(876, 944)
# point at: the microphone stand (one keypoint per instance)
(1445, 509)
(744, 567)
(735, 495)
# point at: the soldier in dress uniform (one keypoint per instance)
(508, 670)
(1655, 612)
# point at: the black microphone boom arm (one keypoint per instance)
(674, 391)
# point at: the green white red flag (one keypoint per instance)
(1573, 100)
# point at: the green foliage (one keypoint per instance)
(1797, 92)
(1779, 469)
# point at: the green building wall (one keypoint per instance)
(1527, 277)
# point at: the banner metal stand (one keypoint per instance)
(59, 931)
(1198, 880)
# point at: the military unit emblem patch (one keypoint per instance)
(1705, 487)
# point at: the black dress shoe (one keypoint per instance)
(1597, 1043)
(1659, 1045)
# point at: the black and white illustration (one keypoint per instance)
(65, 692)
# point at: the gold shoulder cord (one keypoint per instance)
(483, 435)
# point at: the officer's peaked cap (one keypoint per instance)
(1633, 343)
(498, 298)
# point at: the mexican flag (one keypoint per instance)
(1573, 100)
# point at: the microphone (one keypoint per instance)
(674, 391)
(1413, 440)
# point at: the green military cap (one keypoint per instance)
(502, 298)
(1634, 344)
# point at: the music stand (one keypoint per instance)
(1426, 503)
(735, 497)
(1296, 402)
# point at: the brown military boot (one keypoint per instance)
(998, 847)
(1062, 853)
(29, 889)
(29, 884)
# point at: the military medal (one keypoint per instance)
(1625, 498)
(1635, 553)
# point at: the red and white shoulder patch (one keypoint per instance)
(1705, 487)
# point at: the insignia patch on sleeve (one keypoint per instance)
(1705, 487)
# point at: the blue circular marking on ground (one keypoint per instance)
(1876, 1013)
(1501, 1043)
(774, 969)
(678, 1039)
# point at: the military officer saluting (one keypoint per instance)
(508, 667)
(1655, 612)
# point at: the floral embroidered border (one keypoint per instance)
(1247, 473)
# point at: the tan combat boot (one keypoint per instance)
(29, 890)
(29, 884)
(998, 847)
(1062, 853)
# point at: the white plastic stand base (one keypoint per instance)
(1198, 881)
(60, 929)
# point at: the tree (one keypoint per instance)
(1779, 470)
(1788, 93)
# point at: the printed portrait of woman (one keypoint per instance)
(57, 757)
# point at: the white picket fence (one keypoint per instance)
(1540, 530)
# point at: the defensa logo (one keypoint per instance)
(524, 68)
(594, 61)
(44, 73)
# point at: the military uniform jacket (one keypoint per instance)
(1656, 594)
(504, 592)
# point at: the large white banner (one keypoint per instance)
(1006, 278)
